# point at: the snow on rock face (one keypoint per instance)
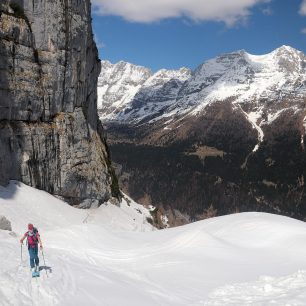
(103, 257)
(238, 76)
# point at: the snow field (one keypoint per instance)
(112, 256)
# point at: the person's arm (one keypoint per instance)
(40, 243)
(24, 237)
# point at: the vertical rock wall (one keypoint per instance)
(50, 135)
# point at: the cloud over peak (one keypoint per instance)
(303, 8)
(146, 11)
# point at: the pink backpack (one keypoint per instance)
(32, 238)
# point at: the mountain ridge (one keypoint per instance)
(238, 75)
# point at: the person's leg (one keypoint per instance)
(36, 257)
(32, 257)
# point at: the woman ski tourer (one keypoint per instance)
(33, 238)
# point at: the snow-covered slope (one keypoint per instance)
(103, 257)
(239, 77)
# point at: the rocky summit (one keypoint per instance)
(51, 137)
(226, 137)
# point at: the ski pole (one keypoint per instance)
(21, 252)
(42, 252)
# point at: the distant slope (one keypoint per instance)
(102, 257)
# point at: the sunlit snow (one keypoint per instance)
(111, 256)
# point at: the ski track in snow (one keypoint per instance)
(112, 256)
(287, 290)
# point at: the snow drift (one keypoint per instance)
(112, 256)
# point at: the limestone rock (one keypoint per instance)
(5, 224)
(51, 137)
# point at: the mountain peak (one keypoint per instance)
(281, 51)
(287, 49)
(122, 65)
(240, 52)
(231, 55)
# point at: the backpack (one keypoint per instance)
(32, 238)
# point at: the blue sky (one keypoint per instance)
(169, 34)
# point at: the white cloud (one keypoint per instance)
(267, 11)
(228, 11)
(99, 44)
(303, 8)
(303, 31)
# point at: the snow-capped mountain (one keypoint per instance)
(123, 87)
(239, 76)
(244, 78)
(229, 136)
(118, 84)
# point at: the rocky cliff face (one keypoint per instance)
(50, 134)
(230, 137)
